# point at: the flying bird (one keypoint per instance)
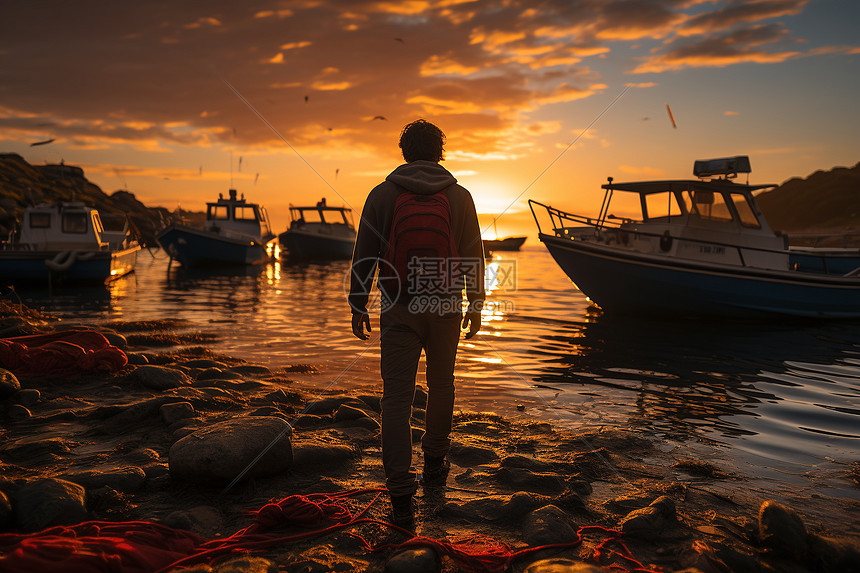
(399, 40)
(46, 142)
(257, 176)
(306, 99)
(336, 171)
(671, 116)
(382, 117)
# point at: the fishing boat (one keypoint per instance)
(235, 233)
(65, 243)
(698, 247)
(318, 232)
(505, 244)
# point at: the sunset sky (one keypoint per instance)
(539, 99)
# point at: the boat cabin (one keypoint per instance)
(235, 217)
(710, 219)
(321, 215)
(61, 227)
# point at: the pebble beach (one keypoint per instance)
(197, 442)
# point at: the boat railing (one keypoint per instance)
(561, 230)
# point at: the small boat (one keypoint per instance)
(318, 232)
(235, 233)
(66, 243)
(699, 247)
(505, 244)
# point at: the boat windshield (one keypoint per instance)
(40, 220)
(245, 213)
(219, 212)
(745, 211)
(658, 205)
(74, 222)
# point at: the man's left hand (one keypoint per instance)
(472, 321)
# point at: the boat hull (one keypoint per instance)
(299, 245)
(60, 267)
(506, 244)
(629, 283)
(198, 248)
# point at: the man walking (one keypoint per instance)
(420, 228)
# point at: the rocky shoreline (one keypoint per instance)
(194, 441)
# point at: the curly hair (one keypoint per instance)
(422, 140)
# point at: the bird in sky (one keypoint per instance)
(382, 117)
(46, 142)
(306, 99)
(399, 40)
(671, 116)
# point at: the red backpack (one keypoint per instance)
(421, 253)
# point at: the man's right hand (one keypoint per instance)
(360, 321)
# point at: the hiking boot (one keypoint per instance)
(436, 470)
(402, 514)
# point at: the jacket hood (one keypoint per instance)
(422, 177)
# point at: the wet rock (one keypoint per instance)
(17, 412)
(175, 411)
(124, 479)
(345, 412)
(314, 453)
(559, 565)
(548, 525)
(115, 338)
(247, 564)
(28, 397)
(365, 423)
(268, 411)
(32, 448)
(202, 363)
(525, 462)
(160, 377)
(9, 384)
(649, 522)
(47, 502)
(308, 421)
(6, 516)
(326, 406)
(423, 560)
(781, 531)
(224, 450)
(491, 508)
(627, 503)
(137, 412)
(137, 359)
(832, 555)
(203, 520)
(251, 370)
(373, 401)
(468, 456)
(281, 396)
(211, 374)
(527, 480)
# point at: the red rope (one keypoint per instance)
(147, 547)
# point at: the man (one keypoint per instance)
(415, 319)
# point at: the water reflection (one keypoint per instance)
(767, 387)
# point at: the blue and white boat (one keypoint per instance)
(235, 233)
(318, 232)
(698, 247)
(58, 243)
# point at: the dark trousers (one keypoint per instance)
(404, 334)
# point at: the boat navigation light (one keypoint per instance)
(727, 166)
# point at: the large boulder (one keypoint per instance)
(9, 385)
(223, 451)
(48, 502)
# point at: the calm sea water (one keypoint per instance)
(780, 401)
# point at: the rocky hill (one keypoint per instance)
(23, 184)
(824, 202)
